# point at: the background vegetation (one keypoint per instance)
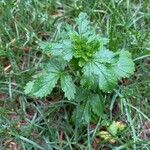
(29, 123)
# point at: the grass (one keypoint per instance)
(29, 123)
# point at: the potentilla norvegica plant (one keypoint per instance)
(82, 65)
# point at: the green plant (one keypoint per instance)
(82, 65)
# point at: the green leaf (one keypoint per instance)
(28, 87)
(68, 86)
(43, 85)
(62, 49)
(83, 23)
(106, 78)
(55, 65)
(89, 105)
(82, 114)
(86, 115)
(113, 128)
(84, 47)
(104, 56)
(107, 67)
(88, 82)
(67, 52)
(45, 47)
(96, 104)
(125, 66)
(81, 94)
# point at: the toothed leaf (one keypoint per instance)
(124, 68)
(68, 86)
(83, 23)
(106, 78)
(44, 84)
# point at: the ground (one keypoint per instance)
(27, 122)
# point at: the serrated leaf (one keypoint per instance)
(45, 46)
(89, 105)
(68, 86)
(125, 66)
(106, 78)
(104, 56)
(28, 87)
(85, 112)
(44, 84)
(83, 23)
(62, 49)
(82, 114)
(56, 64)
(67, 52)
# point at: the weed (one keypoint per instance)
(27, 122)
